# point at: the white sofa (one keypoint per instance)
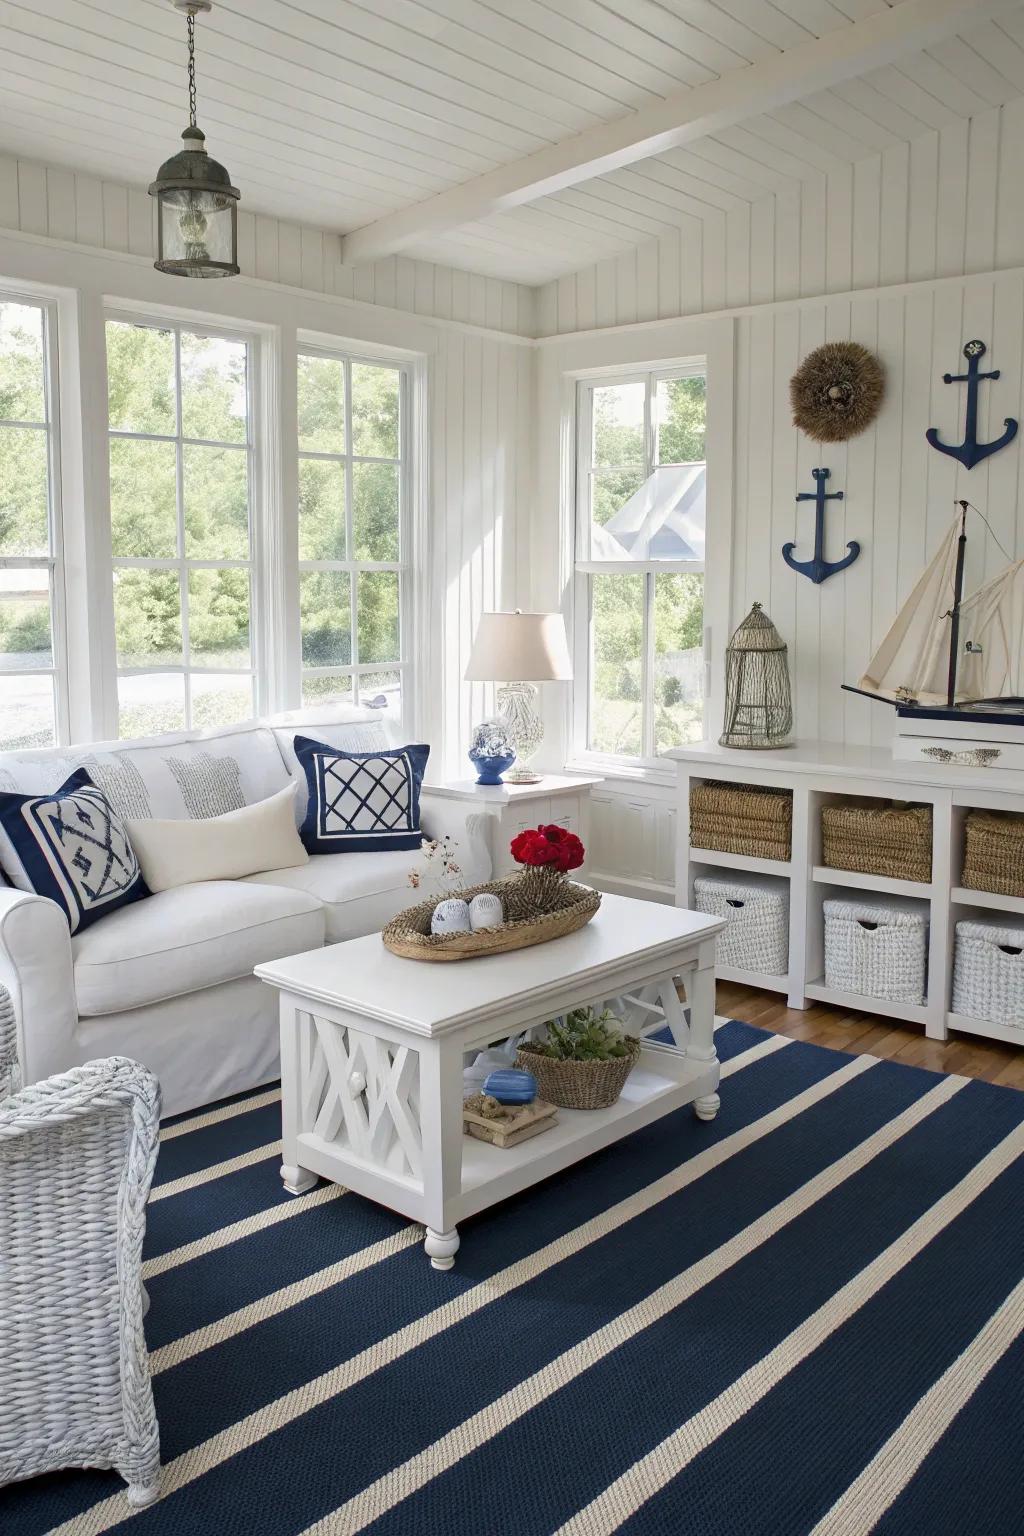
(168, 980)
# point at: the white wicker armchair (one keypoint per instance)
(10, 1068)
(77, 1154)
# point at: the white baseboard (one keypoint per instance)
(643, 890)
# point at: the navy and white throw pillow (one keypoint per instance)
(71, 846)
(361, 801)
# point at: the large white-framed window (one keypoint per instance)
(183, 533)
(639, 621)
(33, 652)
(354, 529)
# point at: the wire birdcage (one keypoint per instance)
(758, 702)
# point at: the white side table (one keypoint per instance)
(510, 808)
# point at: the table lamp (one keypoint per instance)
(520, 650)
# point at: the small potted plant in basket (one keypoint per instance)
(583, 1060)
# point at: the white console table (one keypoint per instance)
(819, 774)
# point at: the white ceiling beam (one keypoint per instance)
(772, 82)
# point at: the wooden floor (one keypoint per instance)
(865, 1032)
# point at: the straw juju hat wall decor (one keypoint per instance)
(758, 702)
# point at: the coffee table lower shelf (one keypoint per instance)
(663, 1080)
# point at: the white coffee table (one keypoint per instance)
(372, 1051)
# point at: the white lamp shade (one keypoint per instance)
(520, 648)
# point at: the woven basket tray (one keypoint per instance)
(878, 839)
(734, 819)
(994, 853)
(534, 911)
(579, 1084)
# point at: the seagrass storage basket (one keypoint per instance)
(875, 837)
(988, 973)
(734, 819)
(876, 949)
(757, 914)
(578, 1084)
(994, 853)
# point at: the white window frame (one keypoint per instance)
(403, 566)
(54, 562)
(176, 322)
(585, 569)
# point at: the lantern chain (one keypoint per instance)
(192, 68)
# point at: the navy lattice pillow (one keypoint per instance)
(361, 801)
(71, 846)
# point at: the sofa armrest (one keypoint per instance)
(36, 968)
(443, 817)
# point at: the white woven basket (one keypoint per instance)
(876, 949)
(757, 913)
(988, 973)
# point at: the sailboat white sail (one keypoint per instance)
(913, 659)
(992, 624)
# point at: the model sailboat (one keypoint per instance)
(953, 658)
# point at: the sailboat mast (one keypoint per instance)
(954, 615)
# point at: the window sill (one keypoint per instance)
(661, 773)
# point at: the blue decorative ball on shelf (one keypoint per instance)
(490, 769)
(510, 1086)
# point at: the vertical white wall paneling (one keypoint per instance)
(894, 214)
(952, 202)
(88, 211)
(982, 173)
(691, 277)
(1004, 468)
(32, 213)
(9, 218)
(922, 232)
(849, 717)
(247, 242)
(60, 204)
(289, 254)
(805, 654)
(841, 519)
(839, 230)
(867, 217)
(883, 549)
(737, 256)
(713, 262)
(142, 224)
(115, 216)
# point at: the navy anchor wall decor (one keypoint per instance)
(819, 569)
(970, 451)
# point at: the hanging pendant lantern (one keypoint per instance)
(198, 222)
(758, 702)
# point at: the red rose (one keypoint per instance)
(550, 845)
(531, 847)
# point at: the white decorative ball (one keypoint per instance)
(486, 911)
(451, 916)
(491, 739)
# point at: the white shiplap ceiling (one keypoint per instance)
(343, 114)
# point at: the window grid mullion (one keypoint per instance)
(350, 548)
(647, 669)
(179, 458)
(26, 426)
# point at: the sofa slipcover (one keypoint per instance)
(189, 938)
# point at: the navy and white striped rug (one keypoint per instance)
(806, 1317)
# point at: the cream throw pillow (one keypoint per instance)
(243, 842)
